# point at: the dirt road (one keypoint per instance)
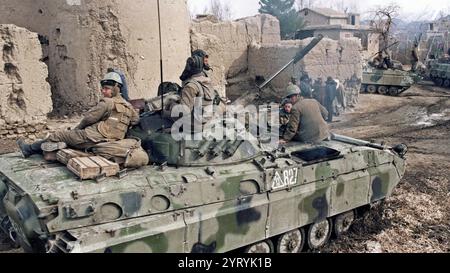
(417, 217)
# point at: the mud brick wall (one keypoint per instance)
(228, 45)
(25, 96)
(82, 38)
(338, 59)
(242, 50)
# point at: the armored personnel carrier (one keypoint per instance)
(267, 202)
(391, 82)
(200, 196)
(439, 73)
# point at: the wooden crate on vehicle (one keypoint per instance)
(63, 156)
(92, 167)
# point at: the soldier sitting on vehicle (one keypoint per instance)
(307, 120)
(107, 122)
(382, 61)
(124, 86)
(197, 85)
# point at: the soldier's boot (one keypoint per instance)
(50, 147)
(30, 149)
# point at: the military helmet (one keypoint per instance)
(112, 78)
(291, 90)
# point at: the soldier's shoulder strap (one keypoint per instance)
(197, 84)
(109, 102)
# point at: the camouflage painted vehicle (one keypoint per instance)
(200, 196)
(240, 197)
(391, 82)
(439, 73)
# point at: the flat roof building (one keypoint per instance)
(338, 25)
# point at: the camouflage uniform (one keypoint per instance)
(108, 121)
(307, 122)
(198, 86)
(378, 62)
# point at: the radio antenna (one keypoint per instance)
(161, 64)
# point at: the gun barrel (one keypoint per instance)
(300, 55)
(358, 142)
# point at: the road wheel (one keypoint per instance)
(439, 81)
(372, 89)
(393, 91)
(447, 83)
(343, 222)
(363, 88)
(291, 242)
(261, 247)
(319, 234)
(383, 90)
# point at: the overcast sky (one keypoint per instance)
(410, 9)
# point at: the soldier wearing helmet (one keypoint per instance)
(124, 85)
(108, 121)
(306, 121)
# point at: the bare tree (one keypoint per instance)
(383, 21)
(222, 10)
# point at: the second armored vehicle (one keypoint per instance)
(440, 74)
(391, 82)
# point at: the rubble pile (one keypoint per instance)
(25, 96)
